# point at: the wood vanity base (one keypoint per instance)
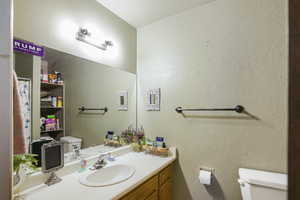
(158, 187)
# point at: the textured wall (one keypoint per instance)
(221, 54)
(54, 24)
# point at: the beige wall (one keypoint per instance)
(94, 85)
(221, 54)
(54, 24)
(23, 65)
(6, 100)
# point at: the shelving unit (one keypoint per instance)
(54, 90)
(52, 131)
(52, 108)
(49, 86)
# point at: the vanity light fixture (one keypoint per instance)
(83, 34)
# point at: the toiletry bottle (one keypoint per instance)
(83, 164)
(149, 142)
(54, 102)
(110, 135)
(50, 123)
(164, 145)
(57, 124)
(59, 102)
(159, 141)
(58, 77)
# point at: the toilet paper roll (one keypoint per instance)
(205, 177)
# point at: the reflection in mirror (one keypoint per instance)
(54, 88)
(123, 100)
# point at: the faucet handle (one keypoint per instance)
(111, 157)
(103, 155)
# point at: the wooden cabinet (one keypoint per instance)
(165, 184)
(144, 191)
(158, 187)
(165, 191)
(154, 196)
(165, 175)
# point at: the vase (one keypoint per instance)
(19, 178)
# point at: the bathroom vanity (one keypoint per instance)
(151, 180)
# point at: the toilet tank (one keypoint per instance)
(262, 185)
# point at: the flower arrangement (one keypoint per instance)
(27, 160)
(21, 163)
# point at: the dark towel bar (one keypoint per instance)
(238, 109)
(83, 108)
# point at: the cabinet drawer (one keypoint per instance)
(165, 175)
(144, 191)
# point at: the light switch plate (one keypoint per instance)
(152, 100)
(123, 100)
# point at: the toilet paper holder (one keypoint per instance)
(206, 175)
(212, 170)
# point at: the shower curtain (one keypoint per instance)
(25, 94)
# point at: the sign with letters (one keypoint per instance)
(28, 48)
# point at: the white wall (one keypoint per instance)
(54, 24)
(6, 99)
(221, 54)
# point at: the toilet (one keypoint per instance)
(262, 185)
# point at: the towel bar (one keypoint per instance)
(83, 108)
(238, 109)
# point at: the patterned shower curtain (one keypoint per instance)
(25, 94)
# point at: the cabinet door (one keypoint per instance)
(154, 196)
(165, 175)
(165, 191)
(145, 191)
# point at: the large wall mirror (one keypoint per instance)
(73, 100)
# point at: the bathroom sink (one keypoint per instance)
(107, 176)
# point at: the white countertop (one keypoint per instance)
(70, 189)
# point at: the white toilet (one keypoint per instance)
(262, 185)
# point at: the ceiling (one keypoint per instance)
(139, 13)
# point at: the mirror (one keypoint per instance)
(73, 100)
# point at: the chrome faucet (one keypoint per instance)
(101, 162)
